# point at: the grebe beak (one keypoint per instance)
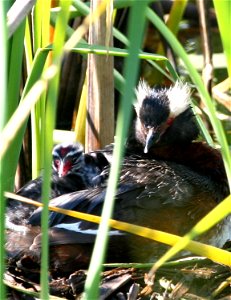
(153, 136)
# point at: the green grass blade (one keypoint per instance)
(131, 71)
(36, 70)
(20, 115)
(3, 118)
(223, 13)
(37, 25)
(41, 30)
(35, 113)
(13, 94)
(28, 47)
(213, 217)
(45, 39)
(15, 68)
(175, 16)
(51, 104)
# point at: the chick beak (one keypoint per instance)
(61, 171)
(152, 137)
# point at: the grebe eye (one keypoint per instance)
(145, 125)
(170, 121)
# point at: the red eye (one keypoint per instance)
(57, 163)
(170, 121)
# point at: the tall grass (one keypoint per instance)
(49, 125)
(42, 86)
(3, 81)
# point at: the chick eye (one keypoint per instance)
(57, 163)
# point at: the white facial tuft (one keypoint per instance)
(143, 91)
(179, 98)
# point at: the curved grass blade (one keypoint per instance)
(211, 252)
(212, 218)
(196, 78)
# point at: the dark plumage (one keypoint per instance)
(170, 136)
(168, 188)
